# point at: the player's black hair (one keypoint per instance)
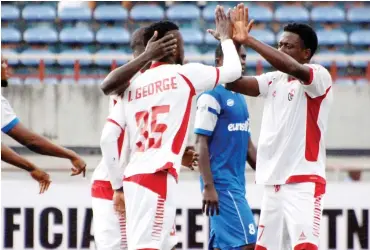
(218, 52)
(137, 38)
(306, 33)
(162, 27)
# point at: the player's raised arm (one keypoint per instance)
(118, 80)
(11, 157)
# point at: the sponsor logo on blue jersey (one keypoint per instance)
(242, 126)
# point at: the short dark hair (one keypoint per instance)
(306, 33)
(162, 27)
(137, 38)
(218, 52)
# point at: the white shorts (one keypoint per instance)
(109, 228)
(290, 217)
(150, 211)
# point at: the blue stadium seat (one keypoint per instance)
(147, 12)
(209, 11)
(36, 61)
(260, 13)
(292, 13)
(36, 80)
(359, 15)
(15, 81)
(112, 55)
(113, 35)
(40, 35)
(327, 14)
(253, 58)
(363, 61)
(362, 82)
(192, 36)
(323, 58)
(81, 13)
(183, 12)
(77, 55)
(344, 82)
(332, 37)
(111, 12)
(76, 35)
(209, 39)
(265, 36)
(38, 12)
(9, 12)
(360, 37)
(6, 52)
(10, 35)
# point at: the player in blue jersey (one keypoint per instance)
(224, 144)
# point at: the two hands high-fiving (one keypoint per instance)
(233, 25)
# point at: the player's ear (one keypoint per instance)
(217, 61)
(307, 54)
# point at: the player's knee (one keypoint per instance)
(306, 246)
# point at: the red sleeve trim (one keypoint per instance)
(311, 77)
(217, 76)
(114, 122)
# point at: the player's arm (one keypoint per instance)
(208, 109)
(251, 154)
(108, 143)
(117, 81)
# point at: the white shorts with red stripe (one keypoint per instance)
(109, 228)
(290, 216)
(150, 211)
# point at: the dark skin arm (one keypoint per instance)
(210, 197)
(251, 154)
(118, 80)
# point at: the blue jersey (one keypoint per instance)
(223, 116)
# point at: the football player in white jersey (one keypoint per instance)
(291, 153)
(155, 110)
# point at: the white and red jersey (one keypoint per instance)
(156, 109)
(101, 171)
(291, 146)
(8, 118)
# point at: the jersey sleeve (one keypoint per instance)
(8, 117)
(264, 81)
(203, 77)
(208, 110)
(320, 81)
(117, 115)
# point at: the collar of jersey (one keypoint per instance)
(156, 64)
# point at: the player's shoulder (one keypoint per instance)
(210, 97)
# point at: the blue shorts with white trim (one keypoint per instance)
(234, 227)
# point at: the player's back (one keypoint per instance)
(228, 143)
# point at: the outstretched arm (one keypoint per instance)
(117, 81)
(251, 154)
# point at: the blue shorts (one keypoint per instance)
(234, 227)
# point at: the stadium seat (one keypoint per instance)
(113, 35)
(183, 12)
(326, 58)
(9, 12)
(39, 12)
(76, 35)
(38, 53)
(344, 82)
(260, 13)
(362, 59)
(40, 35)
(6, 53)
(77, 55)
(359, 15)
(209, 11)
(10, 35)
(15, 81)
(332, 37)
(292, 13)
(210, 58)
(147, 12)
(191, 51)
(265, 36)
(253, 58)
(327, 14)
(36, 80)
(360, 37)
(209, 39)
(78, 13)
(192, 36)
(362, 82)
(112, 54)
(111, 12)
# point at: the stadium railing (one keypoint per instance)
(334, 59)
